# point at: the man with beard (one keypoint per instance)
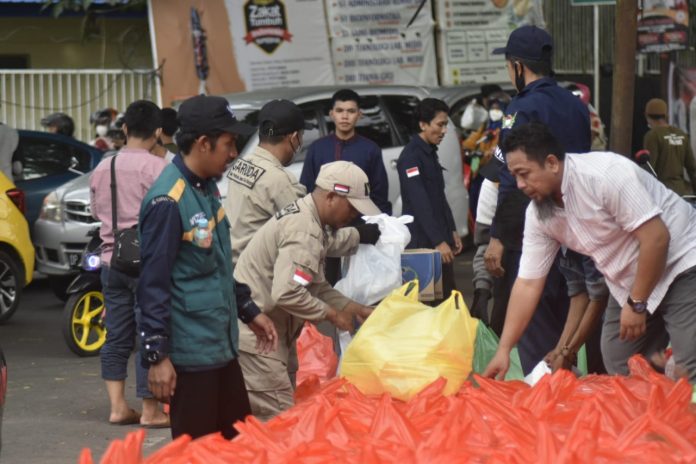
(528, 56)
(641, 235)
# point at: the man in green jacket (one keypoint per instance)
(188, 297)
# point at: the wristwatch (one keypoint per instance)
(637, 306)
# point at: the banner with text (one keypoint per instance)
(663, 26)
(472, 29)
(370, 18)
(407, 58)
(280, 43)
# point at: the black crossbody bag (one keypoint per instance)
(126, 255)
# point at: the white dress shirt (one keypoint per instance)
(606, 197)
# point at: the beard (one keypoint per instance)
(545, 208)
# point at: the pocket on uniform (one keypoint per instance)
(202, 300)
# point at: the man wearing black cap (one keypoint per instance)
(189, 309)
(258, 185)
(528, 56)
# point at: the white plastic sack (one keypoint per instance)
(473, 117)
(375, 270)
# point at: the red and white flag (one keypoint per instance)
(302, 277)
(340, 188)
(412, 172)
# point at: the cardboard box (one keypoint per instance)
(426, 266)
(439, 293)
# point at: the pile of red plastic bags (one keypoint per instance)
(644, 417)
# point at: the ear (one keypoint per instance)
(158, 133)
(422, 125)
(553, 164)
(205, 142)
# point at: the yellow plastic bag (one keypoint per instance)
(405, 345)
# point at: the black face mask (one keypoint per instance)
(519, 78)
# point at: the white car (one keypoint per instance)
(388, 120)
(60, 233)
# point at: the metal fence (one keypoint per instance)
(28, 95)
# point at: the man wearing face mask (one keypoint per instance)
(528, 56)
(258, 185)
(102, 121)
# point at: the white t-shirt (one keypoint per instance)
(606, 197)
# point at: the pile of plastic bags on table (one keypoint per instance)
(642, 418)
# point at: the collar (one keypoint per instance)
(349, 141)
(192, 178)
(308, 201)
(267, 156)
(542, 82)
(428, 148)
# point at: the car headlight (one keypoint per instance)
(51, 209)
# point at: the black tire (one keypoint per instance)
(11, 285)
(72, 331)
(59, 284)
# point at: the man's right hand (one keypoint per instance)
(498, 366)
(161, 380)
(445, 252)
(343, 320)
(494, 257)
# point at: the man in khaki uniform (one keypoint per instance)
(284, 267)
(258, 185)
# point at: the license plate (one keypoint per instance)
(74, 259)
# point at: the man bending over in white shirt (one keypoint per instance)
(641, 236)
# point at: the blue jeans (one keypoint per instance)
(122, 321)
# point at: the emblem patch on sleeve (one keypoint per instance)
(301, 277)
(412, 172)
(292, 208)
(509, 121)
(245, 173)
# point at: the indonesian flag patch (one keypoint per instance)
(340, 188)
(412, 172)
(302, 277)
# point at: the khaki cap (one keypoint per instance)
(348, 180)
(656, 107)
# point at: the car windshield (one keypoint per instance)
(249, 116)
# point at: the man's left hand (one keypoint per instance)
(632, 323)
(266, 335)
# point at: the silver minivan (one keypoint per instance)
(60, 233)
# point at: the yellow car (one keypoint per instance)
(16, 250)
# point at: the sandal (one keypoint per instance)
(133, 417)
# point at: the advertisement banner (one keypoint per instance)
(472, 29)
(663, 26)
(682, 105)
(280, 43)
(369, 18)
(408, 59)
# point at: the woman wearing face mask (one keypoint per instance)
(101, 120)
(479, 146)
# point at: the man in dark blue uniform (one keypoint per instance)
(423, 189)
(528, 56)
(347, 145)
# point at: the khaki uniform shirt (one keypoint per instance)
(258, 188)
(284, 267)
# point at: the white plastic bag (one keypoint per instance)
(473, 117)
(375, 270)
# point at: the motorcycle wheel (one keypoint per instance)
(83, 324)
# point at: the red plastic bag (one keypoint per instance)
(315, 355)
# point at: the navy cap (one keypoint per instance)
(528, 43)
(281, 117)
(204, 113)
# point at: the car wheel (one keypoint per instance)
(59, 284)
(11, 283)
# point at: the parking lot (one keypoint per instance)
(56, 401)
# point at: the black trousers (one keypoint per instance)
(209, 401)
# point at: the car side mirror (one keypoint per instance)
(17, 169)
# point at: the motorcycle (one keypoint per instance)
(83, 315)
